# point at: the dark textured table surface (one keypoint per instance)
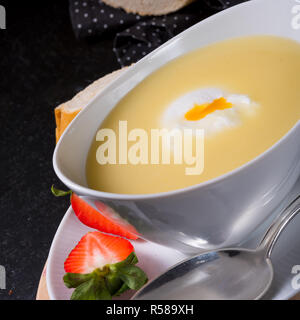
(42, 65)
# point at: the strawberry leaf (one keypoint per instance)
(73, 280)
(130, 260)
(123, 288)
(59, 193)
(93, 289)
(113, 283)
(133, 276)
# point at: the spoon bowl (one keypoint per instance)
(223, 274)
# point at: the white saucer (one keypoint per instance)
(155, 259)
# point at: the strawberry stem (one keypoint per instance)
(59, 193)
(102, 272)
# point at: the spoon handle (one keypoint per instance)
(273, 233)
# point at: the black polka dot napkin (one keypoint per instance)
(135, 35)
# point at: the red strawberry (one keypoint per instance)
(95, 250)
(93, 219)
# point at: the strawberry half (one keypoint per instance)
(95, 250)
(94, 219)
(102, 266)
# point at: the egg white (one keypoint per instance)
(215, 122)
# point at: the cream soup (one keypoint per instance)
(244, 93)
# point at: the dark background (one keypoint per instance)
(42, 65)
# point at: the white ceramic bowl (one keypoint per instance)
(217, 213)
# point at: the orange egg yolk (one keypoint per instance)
(200, 111)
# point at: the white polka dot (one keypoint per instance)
(163, 24)
(114, 49)
(175, 18)
(138, 17)
(144, 53)
(144, 34)
(84, 4)
(95, 20)
(76, 3)
(175, 25)
(79, 26)
(124, 50)
(119, 60)
(138, 27)
(139, 44)
(89, 31)
(86, 15)
(153, 23)
(105, 26)
(111, 15)
(102, 10)
(121, 21)
(144, 23)
(153, 34)
(133, 52)
(76, 10)
(187, 18)
(149, 45)
(157, 30)
(128, 58)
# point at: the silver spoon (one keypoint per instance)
(232, 273)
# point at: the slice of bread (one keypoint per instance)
(148, 7)
(67, 111)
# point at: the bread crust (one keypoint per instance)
(149, 7)
(67, 111)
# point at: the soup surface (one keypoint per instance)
(244, 93)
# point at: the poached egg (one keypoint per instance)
(211, 109)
